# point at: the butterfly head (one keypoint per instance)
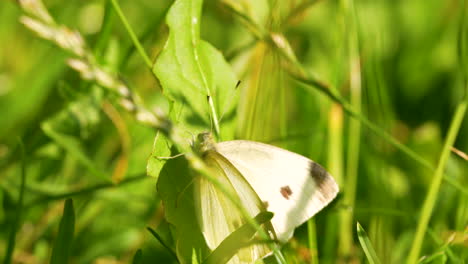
(204, 143)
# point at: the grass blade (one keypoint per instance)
(312, 237)
(63, 242)
(435, 184)
(354, 130)
(163, 243)
(132, 34)
(19, 211)
(137, 259)
(89, 190)
(237, 240)
(367, 245)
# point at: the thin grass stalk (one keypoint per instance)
(106, 30)
(335, 165)
(312, 239)
(132, 35)
(354, 132)
(431, 197)
(367, 245)
(15, 222)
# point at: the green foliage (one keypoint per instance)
(16, 217)
(64, 240)
(164, 236)
(367, 245)
(373, 90)
(137, 258)
(237, 240)
(179, 207)
(194, 74)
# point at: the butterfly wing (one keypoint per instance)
(218, 217)
(291, 186)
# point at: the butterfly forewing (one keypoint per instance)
(291, 186)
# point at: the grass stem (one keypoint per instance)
(354, 132)
(15, 223)
(132, 35)
(431, 197)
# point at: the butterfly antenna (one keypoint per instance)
(192, 142)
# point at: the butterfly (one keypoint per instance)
(264, 178)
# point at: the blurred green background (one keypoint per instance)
(74, 135)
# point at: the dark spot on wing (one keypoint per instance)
(318, 173)
(286, 192)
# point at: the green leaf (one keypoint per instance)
(195, 257)
(175, 189)
(194, 74)
(137, 259)
(63, 242)
(164, 236)
(240, 238)
(367, 245)
(19, 209)
(2, 210)
(437, 258)
(161, 151)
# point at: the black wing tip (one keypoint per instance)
(318, 173)
(324, 181)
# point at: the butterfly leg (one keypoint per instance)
(170, 157)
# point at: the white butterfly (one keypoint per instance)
(264, 177)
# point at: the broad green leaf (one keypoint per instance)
(192, 73)
(175, 189)
(64, 240)
(367, 245)
(161, 152)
